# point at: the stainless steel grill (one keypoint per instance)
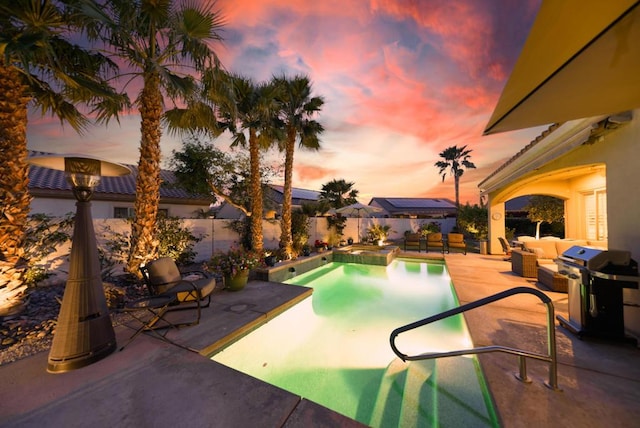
(595, 282)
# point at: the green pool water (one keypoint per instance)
(333, 348)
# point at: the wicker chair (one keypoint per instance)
(524, 263)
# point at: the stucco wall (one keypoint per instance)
(619, 152)
(217, 236)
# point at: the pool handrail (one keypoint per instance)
(550, 357)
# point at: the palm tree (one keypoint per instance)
(455, 160)
(255, 113)
(40, 68)
(236, 104)
(338, 193)
(161, 41)
(297, 108)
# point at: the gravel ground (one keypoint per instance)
(31, 331)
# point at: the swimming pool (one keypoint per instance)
(333, 347)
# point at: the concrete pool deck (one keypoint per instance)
(153, 383)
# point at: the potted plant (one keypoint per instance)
(234, 265)
(379, 233)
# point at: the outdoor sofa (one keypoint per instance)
(537, 260)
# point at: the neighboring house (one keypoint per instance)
(581, 75)
(113, 198)
(415, 207)
(273, 196)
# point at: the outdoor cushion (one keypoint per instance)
(543, 249)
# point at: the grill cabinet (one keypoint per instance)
(595, 282)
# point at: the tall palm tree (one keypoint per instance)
(162, 43)
(40, 67)
(297, 107)
(234, 103)
(455, 160)
(255, 113)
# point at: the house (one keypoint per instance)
(113, 197)
(273, 196)
(415, 207)
(578, 76)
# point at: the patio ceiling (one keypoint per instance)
(582, 59)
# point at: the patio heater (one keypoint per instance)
(84, 333)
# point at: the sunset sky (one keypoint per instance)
(402, 80)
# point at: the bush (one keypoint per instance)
(174, 241)
(44, 235)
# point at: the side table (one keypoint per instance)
(148, 311)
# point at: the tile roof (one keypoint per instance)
(50, 179)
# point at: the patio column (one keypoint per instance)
(496, 226)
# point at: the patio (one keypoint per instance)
(152, 383)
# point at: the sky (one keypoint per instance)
(402, 80)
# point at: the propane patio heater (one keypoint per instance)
(84, 333)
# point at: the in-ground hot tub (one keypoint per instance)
(366, 254)
(358, 253)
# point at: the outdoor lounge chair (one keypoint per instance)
(434, 240)
(456, 241)
(412, 240)
(192, 289)
(506, 248)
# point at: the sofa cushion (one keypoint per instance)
(565, 244)
(543, 249)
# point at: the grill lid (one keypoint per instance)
(595, 259)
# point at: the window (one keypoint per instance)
(123, 212)
(595, 207)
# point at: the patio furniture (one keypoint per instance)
(456, 241)
(524, 263)
(548, 276)
(413, 240)
(505, 247)
(150, 312)
(434, 240)
(190, 289)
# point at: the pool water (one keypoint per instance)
(333, 348)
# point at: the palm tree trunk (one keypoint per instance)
(456, 182)
(286, 240)
(144, 245)
(256, 193)
(14, 182)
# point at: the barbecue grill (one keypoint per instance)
(595, 282)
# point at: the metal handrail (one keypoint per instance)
(550, 357)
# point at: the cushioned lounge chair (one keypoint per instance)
(412, 241)
(506, 248)
(192, 289)
(434, 240)
(456, 241)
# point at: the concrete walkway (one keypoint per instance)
(152, 383)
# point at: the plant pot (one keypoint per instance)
(306, 252)
(270, 261)
(237, 282)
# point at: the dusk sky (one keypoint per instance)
(402, 80)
